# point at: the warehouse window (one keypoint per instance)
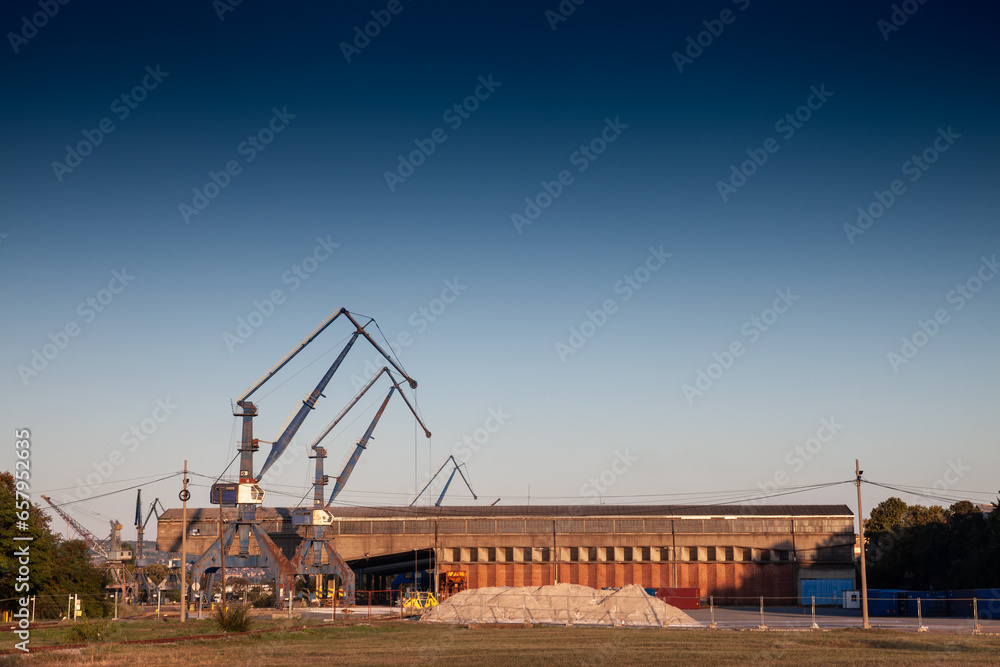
(710, 554)
(727, 553)
(692, 553)
(574, 554)
(627, 554)
(491, 554)
(508, 554)
(665, 553)
(644, 553)
(592, 554)
(609, 554)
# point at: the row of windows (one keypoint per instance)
(611, 554)
(563, 526)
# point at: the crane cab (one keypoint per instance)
(310, 517)
(230, 494)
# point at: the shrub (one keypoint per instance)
(234, 618)
(264, 601)
(94, 631)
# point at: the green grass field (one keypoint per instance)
(413, 643)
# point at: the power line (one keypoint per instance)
(111, 493)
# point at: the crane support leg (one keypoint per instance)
(270, 557)
(335, 565)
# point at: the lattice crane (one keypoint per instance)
(94, 544)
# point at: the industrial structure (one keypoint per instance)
(107, 553)
(243, 542)
(732, 552)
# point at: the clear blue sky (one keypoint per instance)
(622, 132)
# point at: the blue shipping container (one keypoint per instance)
(932, 603)
(827, 591)
(989, 603)
(886, 602)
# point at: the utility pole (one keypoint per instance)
(864, 574)
(222, 548)
(184, 523)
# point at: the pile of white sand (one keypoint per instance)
(562, 604)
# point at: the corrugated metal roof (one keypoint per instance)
(581, 511)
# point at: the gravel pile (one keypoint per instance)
(562, 604)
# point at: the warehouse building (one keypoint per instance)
(735, 553)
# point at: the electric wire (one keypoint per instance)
(111, 493)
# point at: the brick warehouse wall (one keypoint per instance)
(731, 552)
(728, 583)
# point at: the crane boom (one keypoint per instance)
(358, 449)
(308, 339)
(357, 397)
(309, 403)
(458, 469)
(88, 537)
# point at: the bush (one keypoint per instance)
(234, 618)
(94, 631)
(264, 601)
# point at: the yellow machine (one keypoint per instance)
(451, 583)
(420, 600)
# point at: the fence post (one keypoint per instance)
(975, 614)
(69, 607)
(920, 618)
(116, 606)
(814, 625)
(711, 607)
(762, 626)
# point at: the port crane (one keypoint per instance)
(107, 553)
(244, 543)
(458, 468)
(140, 526)
(318, 542)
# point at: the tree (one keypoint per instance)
(917, 547)
(157, 573)
(58, 568)
(887, 515)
